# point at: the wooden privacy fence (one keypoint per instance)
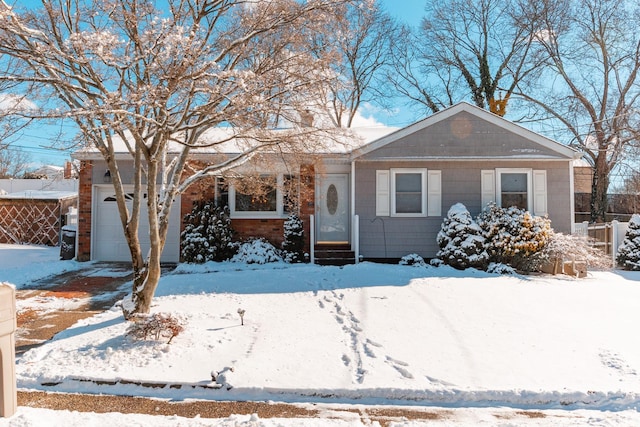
(607, 236)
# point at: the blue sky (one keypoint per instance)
(37, 141)
(409, 11)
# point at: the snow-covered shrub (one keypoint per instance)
(257, 251)
(629, 252)
(461, 241)
(413, 259)
(156, 326)
(567, 247)
(293, 243)
(514, 236)
(207, 235)
(503, 269)
(435, 262)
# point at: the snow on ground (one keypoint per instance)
(22, 264)
(366, 334)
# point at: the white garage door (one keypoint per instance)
(109, 243)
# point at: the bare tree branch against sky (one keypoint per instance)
(41, 141)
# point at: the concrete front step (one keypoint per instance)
(334, 255)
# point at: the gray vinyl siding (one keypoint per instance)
(463, 136)
(391, 237)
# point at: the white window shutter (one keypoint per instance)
(434, 193)
(540, 192)
(487, 187)
(382, 193)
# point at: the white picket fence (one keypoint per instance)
(606, 236)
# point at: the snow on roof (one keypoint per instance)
(39, 194)
(222, 141)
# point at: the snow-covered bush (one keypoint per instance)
(413, 259)
(207, 235)
(257, 251)
(156, 326)
(629, 251)
(435, 262)
(514, 236)
(567, 247)
(503, 269)
(293, 243)
(461, 241)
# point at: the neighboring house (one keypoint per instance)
(381, 200)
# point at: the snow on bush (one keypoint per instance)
(497, 268)
(461, 241)
(207, 235)
(567, 247)
(156, 326)
(435, 262)
(413, 259)
(629, 251)
(514, 236)
(293, 244)
(257, 251)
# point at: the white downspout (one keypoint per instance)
(355, 226)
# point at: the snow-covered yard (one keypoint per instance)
(365, 334)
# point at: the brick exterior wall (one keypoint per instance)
(83, 236)
(271, 229)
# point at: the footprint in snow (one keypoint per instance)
(438, 382)
(346, 360)
(399, 366)
(615, 361)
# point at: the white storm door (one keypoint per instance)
(332, 209)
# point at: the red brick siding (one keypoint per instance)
(83, 236)
(307, 204)
(271, 229)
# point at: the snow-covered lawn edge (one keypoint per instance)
(521, 399)
(369, 334)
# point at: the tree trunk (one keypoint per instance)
(145, 283)
(599, 187)
(147, 271)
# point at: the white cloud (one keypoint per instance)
(10, 103)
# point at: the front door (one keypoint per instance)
(332, 209)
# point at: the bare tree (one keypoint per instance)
(359, 37)
(467, 49)
(590, 84)
(158, 80)
(14, 111)
(14, 162)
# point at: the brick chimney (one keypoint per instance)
(67, 170)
